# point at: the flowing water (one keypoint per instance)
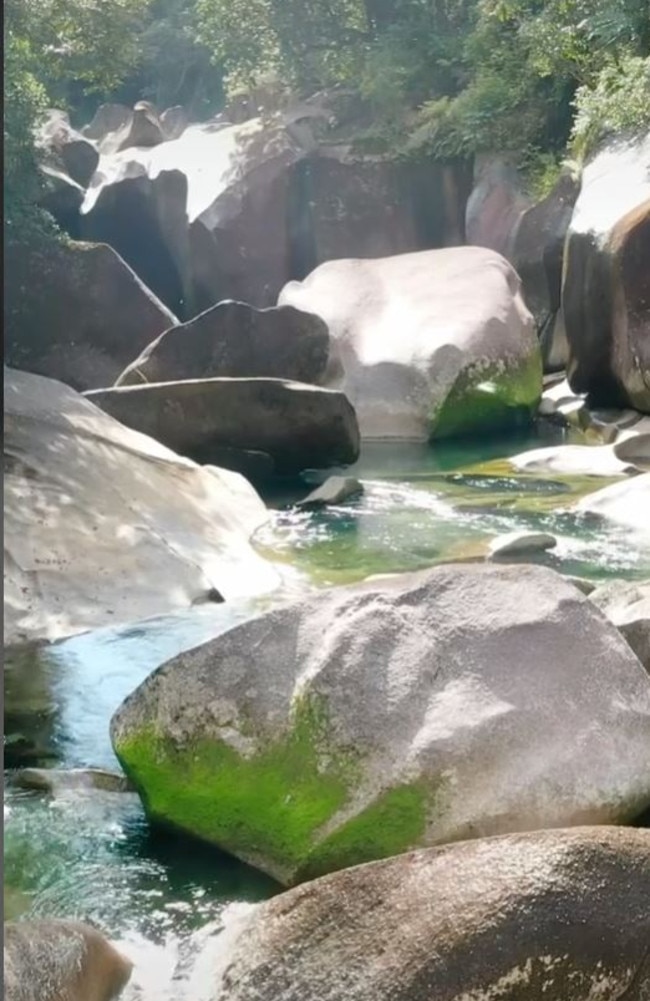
(90, 854)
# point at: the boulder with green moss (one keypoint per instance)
(459, 702)
(427, 345)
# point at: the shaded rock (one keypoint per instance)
(335, 490)
(107, 119)
(256, 466)
(62, 198)
(627, 605)
(174, 121)
(572, 460)
(552, 914)
(234, 339)
(583, 585)
(61, 961)
(426, 708)
(65, 149)
(606, 290)
(536, 252)
(495, 205)
(625, 503)
(520, 544)
(143, 129)
(299, 426)
(76, 312)
(57, 781)
(103, 525)
(636, 451)
(427, 345)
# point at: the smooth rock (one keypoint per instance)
(76, 312)
(556, 915)
(627, 605)
(635, 450)
(103, 525)
(626, 503)
(60, 780)
(299, 426)
(465, 701)
(572, 460)
(427, 345)
(606, 290)
(62, 147)
(61, 961)
(335, 490)
(236, 340)
(520, 543)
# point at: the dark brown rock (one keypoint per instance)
(606, 285)
(76, 312)
(234, 339)
(299, 426)
(549, 916)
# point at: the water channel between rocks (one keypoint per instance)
(92, 855)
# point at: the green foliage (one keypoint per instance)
(618, 102)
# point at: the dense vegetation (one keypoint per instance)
(444, 78)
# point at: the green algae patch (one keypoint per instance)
(490, 398)
(264, 808)
(392, 824)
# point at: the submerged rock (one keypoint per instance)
(627, 605)
(76, 312)
(103, 525)
(61, 961)
(553, 914)
(299, 426)
(234, 339)
(372, 719)
(335, 490)
(605, 299)
(427, 345)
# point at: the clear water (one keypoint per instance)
(91, 855)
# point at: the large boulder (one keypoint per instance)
(547, 916)
(104, 525)
(427, 345)
(299, 426)
(606, 284)
(61, 961)
(235, 339)
(627, 605)
(406, 712)
(76, 312)
(625, 503)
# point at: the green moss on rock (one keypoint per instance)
(489, 398)
(268, 808)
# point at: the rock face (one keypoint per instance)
(76, 312)
(606, 285)
(235, 339)
(61, 961)
(235, 210)
(421, 709)
(299, 426)
(552, 914)
(429, 344)
(627, 605)
(104, 525)
(65, 149)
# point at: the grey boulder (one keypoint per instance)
(465, 701)
(335, 490)
(297, 425)
(234, 339)
(627, 605)
(103, 525)
(549, 916)
(427, 345)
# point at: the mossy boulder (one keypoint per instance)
(394, 714)
(428, 345)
